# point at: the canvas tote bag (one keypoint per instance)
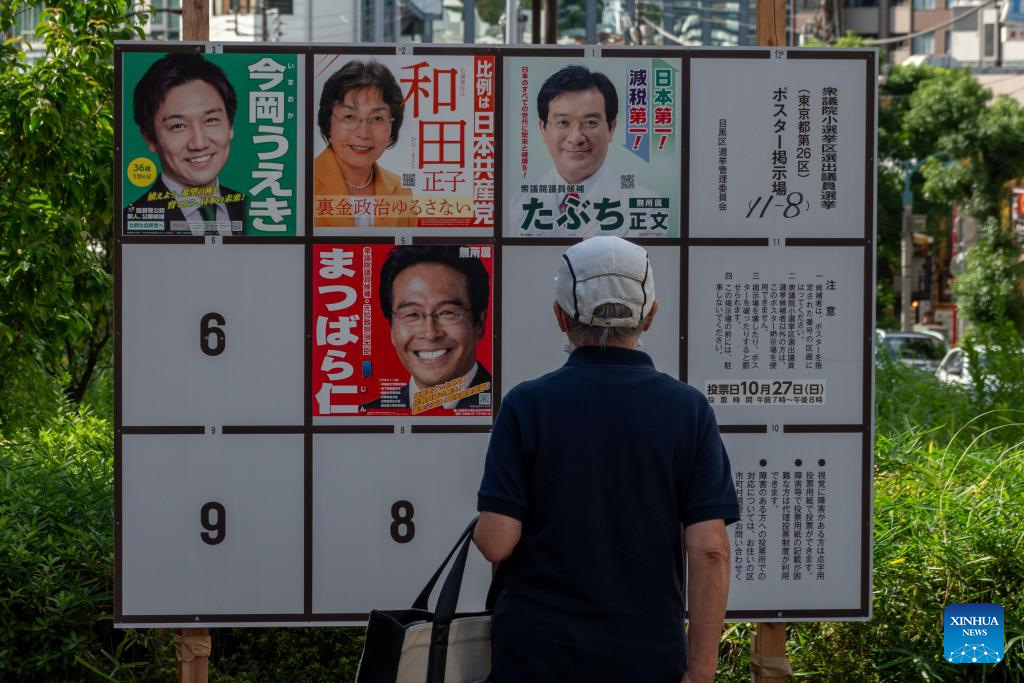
(418, 646)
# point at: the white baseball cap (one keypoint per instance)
(602, 270)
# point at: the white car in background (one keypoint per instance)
(917, 349)
(955, 368)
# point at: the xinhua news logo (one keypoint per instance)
(973, 633)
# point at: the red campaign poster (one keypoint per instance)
(402, 330)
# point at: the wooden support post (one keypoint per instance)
(192, 645)
(771, 23)
(192, 649)
(551, 22)
(768, 660)
(195, 19)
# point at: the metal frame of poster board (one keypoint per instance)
(393, 427)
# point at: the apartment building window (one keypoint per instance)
(860, 3)
(924, 4)
(252, 6)
(25, 21)
(990, 40)
(923, 45)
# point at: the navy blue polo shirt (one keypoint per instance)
(601, 460)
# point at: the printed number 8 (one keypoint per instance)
(401, 516)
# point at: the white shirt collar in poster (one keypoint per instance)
(196, 225)
(464, 383)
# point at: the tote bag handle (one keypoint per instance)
(424, 596)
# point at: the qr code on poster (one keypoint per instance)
(626, 182)
(408, 180)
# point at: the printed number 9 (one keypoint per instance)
(207, 328)
(215, 528)
(402, 527)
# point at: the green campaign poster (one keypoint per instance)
(211, 143)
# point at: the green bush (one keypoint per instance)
(57, 547)
(311, 655)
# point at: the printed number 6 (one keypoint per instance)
(215, 528)
(402, 527)
(207, 328)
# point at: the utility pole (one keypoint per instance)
(907, 251)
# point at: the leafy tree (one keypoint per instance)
(968, 145)
(56, 203)
(989, 292)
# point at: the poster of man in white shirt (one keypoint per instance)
(599, 147)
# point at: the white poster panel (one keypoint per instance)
(776, 335)
(592, 146)
(532, 344)
(413, 150)
(212, 524)
(781, 151)
(386, 509)
(797, 544)
(212, 334)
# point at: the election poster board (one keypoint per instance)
(598, 161)
(304, 396)
(429, 143)
(220, 152)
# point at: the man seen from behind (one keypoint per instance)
(598, 476)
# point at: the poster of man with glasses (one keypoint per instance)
(404, 141)
(402, 330)
(592, 147)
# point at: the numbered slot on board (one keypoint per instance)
(212, 335)
(782, 151)
(223, 511)
(776, 335)
(385, 510)
(799, 499)
(532, 344)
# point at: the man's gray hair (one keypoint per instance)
(581, 334)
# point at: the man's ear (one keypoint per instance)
(650, 316)
(611, 126)
(481, 324)
(561, 317)
(149, 143)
